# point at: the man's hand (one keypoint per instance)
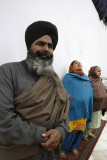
(53, 138)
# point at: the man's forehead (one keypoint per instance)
(45, 38)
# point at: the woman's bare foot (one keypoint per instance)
(92, 135)
(62, 155)
(85, 138)
(75, 152)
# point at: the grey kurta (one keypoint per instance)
(15, 79)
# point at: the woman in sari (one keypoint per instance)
(99, 100)
(80, 94)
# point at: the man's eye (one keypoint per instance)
(40, 43)
(50, 45)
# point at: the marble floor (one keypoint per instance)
(100, 150)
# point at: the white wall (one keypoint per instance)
(82, 35)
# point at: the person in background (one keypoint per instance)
(80, 93)
(33, 102)
(99, 100)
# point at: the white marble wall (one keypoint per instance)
(82, 35)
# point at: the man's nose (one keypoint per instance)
(45, 47)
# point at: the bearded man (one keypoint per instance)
(33, 102)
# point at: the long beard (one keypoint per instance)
(40, 63)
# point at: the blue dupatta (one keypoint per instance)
(80, 95)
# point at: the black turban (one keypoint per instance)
(39, 29)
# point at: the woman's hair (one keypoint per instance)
(70, 70)
(96, 67)
(73, 62)
(73, 70)
(92, 71)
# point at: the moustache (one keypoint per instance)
(44, 55)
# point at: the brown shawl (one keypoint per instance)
(46, 104)
(99, 91)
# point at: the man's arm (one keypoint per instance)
(63, 128)
(55, 136)
(12, 128)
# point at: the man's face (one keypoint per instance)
(40, 56)
(43, 44)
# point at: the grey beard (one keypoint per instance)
(40, 66)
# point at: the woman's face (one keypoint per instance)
(98, 71)
(77, 65)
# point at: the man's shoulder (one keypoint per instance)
(10, 65)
